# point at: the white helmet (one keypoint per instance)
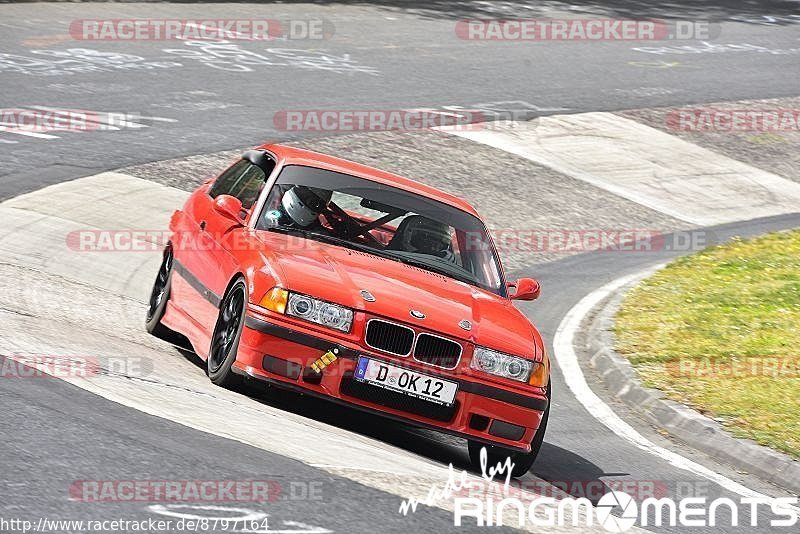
(420, 234)
(304, 204)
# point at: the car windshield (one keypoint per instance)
(352, 212)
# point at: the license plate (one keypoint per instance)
(405, 381)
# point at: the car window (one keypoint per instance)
(385, 221)
(242, 180)
(353, 205)
(223, 185)
(249, 186)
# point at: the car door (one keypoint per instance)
(226, 237)
(206, 251)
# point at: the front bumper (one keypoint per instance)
(283, 353)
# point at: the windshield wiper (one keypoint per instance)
(444, 270)
(322, 237)
(339, 241)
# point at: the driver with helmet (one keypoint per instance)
(304, 204)
(301, 206)
(424, 236)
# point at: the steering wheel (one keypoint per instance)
(346, 225)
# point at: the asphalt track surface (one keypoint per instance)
(56, 433)
(381, 56)
(62, 433)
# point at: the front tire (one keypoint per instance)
(225, 339)
(159, 297)
(522, 461)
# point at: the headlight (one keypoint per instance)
(320, 312)
(317, 311)
(499, 364)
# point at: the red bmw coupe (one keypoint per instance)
(359, 286)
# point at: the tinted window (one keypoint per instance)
(242, 180)
(225, 182)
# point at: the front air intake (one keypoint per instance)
(389, 337)
(438, 351)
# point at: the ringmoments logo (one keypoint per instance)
(616, 511)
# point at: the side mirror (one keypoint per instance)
(526, 289)
(229, 207)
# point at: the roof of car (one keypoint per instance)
(298, 156)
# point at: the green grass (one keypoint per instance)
(720, 331)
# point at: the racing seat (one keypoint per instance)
(417, 233)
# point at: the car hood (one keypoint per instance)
(339, 274)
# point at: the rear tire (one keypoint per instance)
(522, 461)
(225, 339)
(159, 297)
